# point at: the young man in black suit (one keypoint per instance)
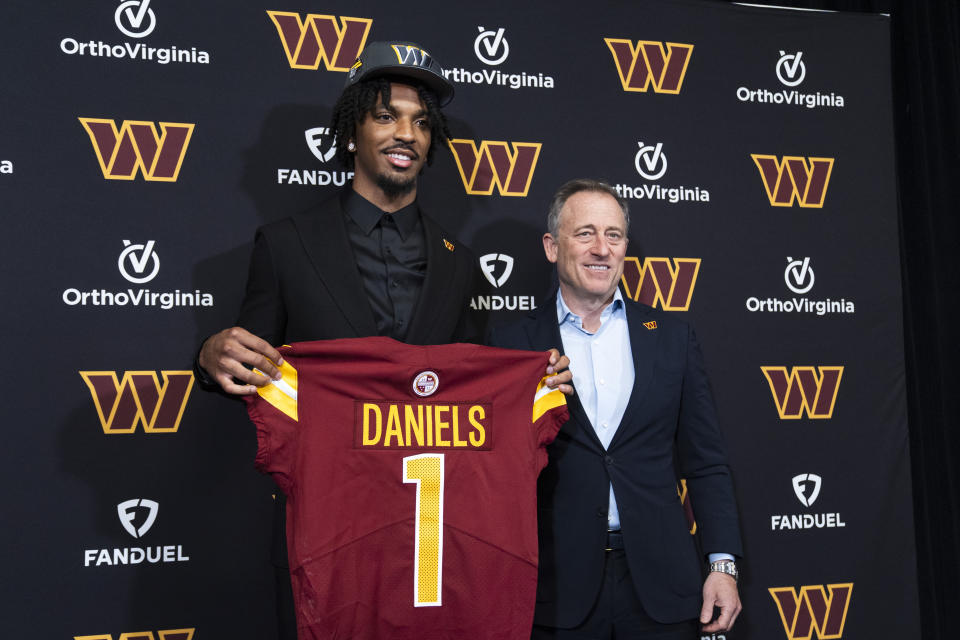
(616, 557)
(367, 262)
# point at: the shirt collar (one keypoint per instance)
(565, 315)
(366, 215)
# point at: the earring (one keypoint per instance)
(351, 147)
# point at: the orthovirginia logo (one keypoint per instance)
(138, 399)
(320, 38)
(651, 164)
(138, 263)
(794, 178)
(166, 634)
(134, 19)
(489, 266)
(137, 147)
(494, 165)
(799, 278)
(791, 71)
(492, 49)
(323, 145)
(806, 486)
(657, 282)
(810, 390)
(647, 64)
(131, 512)
(811, 610)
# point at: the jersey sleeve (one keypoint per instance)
(549, 412)
(274, 412)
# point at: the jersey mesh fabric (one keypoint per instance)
(354, 516)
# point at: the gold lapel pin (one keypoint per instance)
(650, 325)
(448, 244)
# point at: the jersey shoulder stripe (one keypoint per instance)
(546, 399)
(282, 393)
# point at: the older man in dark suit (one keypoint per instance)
(616, 557)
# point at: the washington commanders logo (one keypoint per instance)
(138, 398)
(168, 634)
(687, 507)
(494, 165)
(648, 64)
(660, 281)
(321, 38)
(810, 609)
(810, 390)
(136, 146)
(794, 178)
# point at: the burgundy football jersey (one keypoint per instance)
(410, 475)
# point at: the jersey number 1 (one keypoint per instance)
(426, 470)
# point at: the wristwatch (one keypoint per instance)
(728, 567)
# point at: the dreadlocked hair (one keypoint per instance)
(359, 100)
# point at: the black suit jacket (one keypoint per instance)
(669, 431)
(304, 284)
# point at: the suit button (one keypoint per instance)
(608, 460)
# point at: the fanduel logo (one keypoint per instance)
(128, 510)
(323, 145)
(803, 390)
(794, 178)
(139, 264)
(806, 486)
(799, 278)
(791, 71)
(493, 165)
(651, 164)
(491, 48)
(488, 265)
(811, 610)
(657, 282)
(137, 147)
(320, 38)
(646, 64)
(135, 19)
(165, 634)
(138, 398)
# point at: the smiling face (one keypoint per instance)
(392, 143)
(588, 249)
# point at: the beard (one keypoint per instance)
(394, 186)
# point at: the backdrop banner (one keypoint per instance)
(143, 141)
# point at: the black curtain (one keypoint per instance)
(925, 46)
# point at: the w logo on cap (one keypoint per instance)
(413, 56)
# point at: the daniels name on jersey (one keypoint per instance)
(410, 475)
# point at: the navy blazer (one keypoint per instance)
(669, 431)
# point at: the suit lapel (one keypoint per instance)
(323, 233)
(544, 334)
(437, 285)
(643, 343)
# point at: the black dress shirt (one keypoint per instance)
(391, 255)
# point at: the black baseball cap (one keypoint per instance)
(401, 59)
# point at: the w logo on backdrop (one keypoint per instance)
(139, 399)
(647, 64)
(320, 38)
(657, 282)
(794, 178)
(494, 165)
(167, 634)
(137, 147)
(812, 609)
(802, 389)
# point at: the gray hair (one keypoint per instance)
(576, 186)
